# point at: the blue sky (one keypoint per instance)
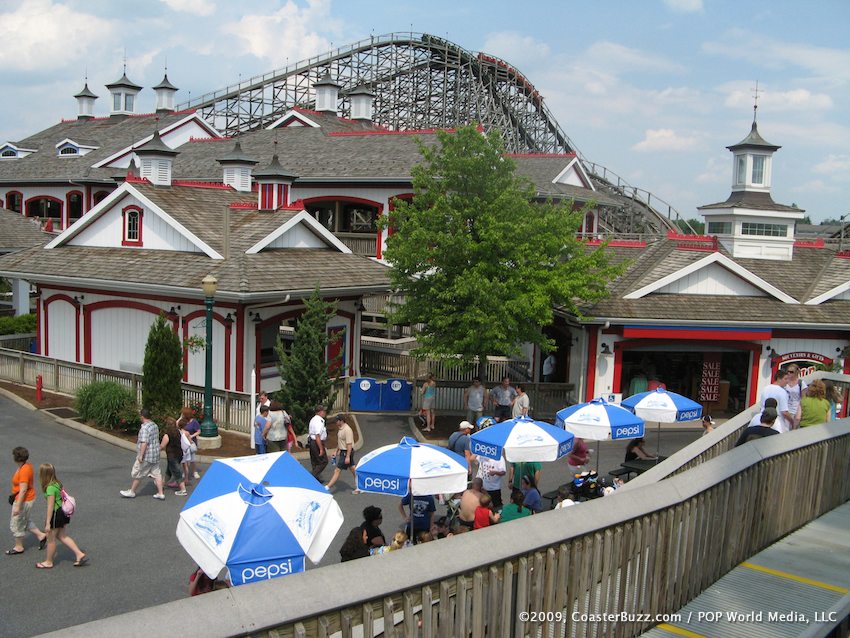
(653, 90)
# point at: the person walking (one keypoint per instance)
(261, 423)
(814, 406)
(473, 400)
(429, 395)
(147, 458)
(344, 452)
(23, 493)
(276, 432)
(172, 444)
(317, 434)
(56, 519)
(190, 425)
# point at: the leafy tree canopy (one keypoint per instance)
(304, 369)
(479, 263)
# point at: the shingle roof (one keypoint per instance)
(109, 134)
(754, 140)
(201, 211)
(17, 232)
(812, 272)
(749, 199)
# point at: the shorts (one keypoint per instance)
(503, 412)
(174, 470)
(276, 446)
(340, 460)
(59, 519)
(428, 404)
(21, 523)
(145, 468)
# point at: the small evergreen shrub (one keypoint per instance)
(21, 324)
(109, 404)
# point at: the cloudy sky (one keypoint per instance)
(653, 90)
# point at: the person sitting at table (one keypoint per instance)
(531, 494)
(635, 451)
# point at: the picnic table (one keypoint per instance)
(640, 466)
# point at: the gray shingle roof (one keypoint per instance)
(17, 232)
(749, 199)
(754, 140)
(812, 272)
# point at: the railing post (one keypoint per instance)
(21, 367)
(227, 409)
(56, 374)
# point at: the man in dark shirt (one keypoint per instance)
(768, 418)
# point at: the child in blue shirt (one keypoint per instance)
(260, 423)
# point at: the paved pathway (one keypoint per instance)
(136, 560)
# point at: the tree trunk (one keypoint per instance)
(482, 369)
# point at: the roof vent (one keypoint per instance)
(327, 94)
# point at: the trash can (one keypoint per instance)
(396, 395)
(364, 395)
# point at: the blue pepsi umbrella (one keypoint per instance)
(410, 466)
(522, 439)
(257, 517)
(663, 406)
(599, 420)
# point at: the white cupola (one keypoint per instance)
(749, 224)
(165, 91)
(237, 169)
(156, 159)
(85, 103)
(361, 103)
(327, 94)
(274, 184)
(124, 93)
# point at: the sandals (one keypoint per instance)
(42, 543)
(14, 552)
(82, 562)
(43, 566)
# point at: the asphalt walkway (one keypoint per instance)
(136, 560)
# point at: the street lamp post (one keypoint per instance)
(209, 437)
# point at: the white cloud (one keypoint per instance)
(616, 58)
(665, 139)
(291, 31)
(40, 35)
(775, 101)
(684, 6)
(716, 171)
(195, 7)
(815, 186)
(835, 165)
(515, 48)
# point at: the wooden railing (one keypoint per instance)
(359, 243)
(231, 410)
(17, 342)
(644, 551)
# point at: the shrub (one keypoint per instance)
(21, 324)
(163, 372)
(109, 404)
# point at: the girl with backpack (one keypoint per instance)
(57, 518)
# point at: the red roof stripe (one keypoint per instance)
(541, 154)
(424, 131)
(193, 184)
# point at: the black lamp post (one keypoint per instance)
(209, 430)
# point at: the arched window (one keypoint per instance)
(8, 153)
(68, 150)
(14, 201)
(74, 202)
(45, 207)
(132, 233)
(99, 196)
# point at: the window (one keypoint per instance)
(128, 102)
(758, 169)
(68, 150)
(719, 228)
(116, 101)
(359, 219)
(132, 226)
(75, 206)
(9, 153)
(764, 230)
(741, 169)
(99, 196)
(14, 201)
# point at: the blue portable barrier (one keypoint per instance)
(396, 395)
(364, 395)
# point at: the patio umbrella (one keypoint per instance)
(599, 420)
(257, 517)
(522, 439)
(663, 407)
(410, 467)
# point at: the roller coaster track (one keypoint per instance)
(422, 82)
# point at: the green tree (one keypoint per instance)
(696, 224)
(479, 263)
(305, 373)
(163, 371)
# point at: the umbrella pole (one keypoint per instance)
(658, 442)
(412, 529)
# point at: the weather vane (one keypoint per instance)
(756, 92)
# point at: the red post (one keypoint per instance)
(39, 395)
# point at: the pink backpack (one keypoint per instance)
(69, 503)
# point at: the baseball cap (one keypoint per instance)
(465, 425)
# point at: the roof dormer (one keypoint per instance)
(124, 92)
(85, 103)
(237, 169)
(74, 148)
(327, 94)
(361, 103)
(274, 183)
(10, 151)
(165, 91)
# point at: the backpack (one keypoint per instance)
(187, 445)
(69, 503)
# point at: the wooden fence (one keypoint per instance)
(231, 410)
(644, 551)
(17, 342)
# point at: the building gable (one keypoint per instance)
(302, 231)
(292, 119)
(105, 227)
(841, 292)
(574, 175)
(722, 276)
(173, 136)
